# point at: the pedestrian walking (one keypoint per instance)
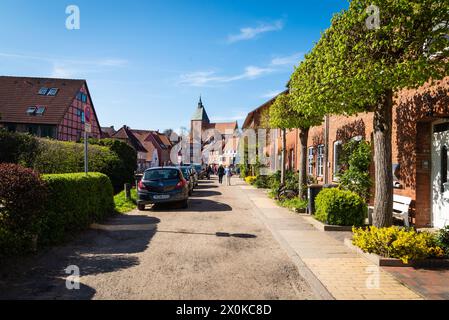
(228, 174)
(208, 171)
(221, 173)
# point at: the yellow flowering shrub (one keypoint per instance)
(396, 242)
(250, 179)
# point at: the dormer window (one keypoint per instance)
(43, 91)
(53, 92)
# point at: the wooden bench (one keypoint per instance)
(401, 207)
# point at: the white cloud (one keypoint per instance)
(210, 78)
(69, 68)
(250, 33)
(271, 94)
(293, 59)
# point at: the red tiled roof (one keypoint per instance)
(223, 127)
(17, 94)
(126, 133)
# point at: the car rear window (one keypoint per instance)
(185, 172)
(161, 174)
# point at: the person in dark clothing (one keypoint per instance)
(209, 172)
(221, 172)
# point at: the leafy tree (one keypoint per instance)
(356, 68)
(285, 113)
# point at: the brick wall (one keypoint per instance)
(411, 141)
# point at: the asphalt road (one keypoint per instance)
(216, 249)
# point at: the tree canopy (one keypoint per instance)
(352, 66)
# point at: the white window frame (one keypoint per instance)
(335, 159)
(311, 157)
(320, 161)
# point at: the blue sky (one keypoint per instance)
(147, 62)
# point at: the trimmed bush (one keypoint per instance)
(340, 207)
(17, 148)
(75, 201)
(128, 156)
(399, 243)
(57, 157)
(114, 158)
(22, 195)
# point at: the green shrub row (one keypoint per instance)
(114, 158)
(39, 211)
(75, 201)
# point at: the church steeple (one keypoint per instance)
(200, 113)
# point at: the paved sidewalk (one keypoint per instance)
(343, 273)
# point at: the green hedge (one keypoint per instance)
(340, 207)
(124, 173)
(17, 148)
(75, 201)
(114, 158)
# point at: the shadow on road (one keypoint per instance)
(217, 234)
(195, 205)
(205, 194)
(103, 249)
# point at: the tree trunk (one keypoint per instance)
(383, 202)
(284, 150)
(303, 137)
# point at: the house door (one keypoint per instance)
(440, 182)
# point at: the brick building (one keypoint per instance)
(53, 108)
(420, 149)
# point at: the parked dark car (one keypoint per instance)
(189, 175)
(196, 175)
(162, 185)
(201, 170)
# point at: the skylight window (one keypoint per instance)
(40, 111)
(43, 91)
(31, 111)
(52, 92)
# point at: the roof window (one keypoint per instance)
(43, 91)
(53, 92)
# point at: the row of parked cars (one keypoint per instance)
(169, 185)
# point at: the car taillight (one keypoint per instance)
(181, 184)
(142, 186)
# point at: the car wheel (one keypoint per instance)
(141, 207)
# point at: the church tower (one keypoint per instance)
(199, 122)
